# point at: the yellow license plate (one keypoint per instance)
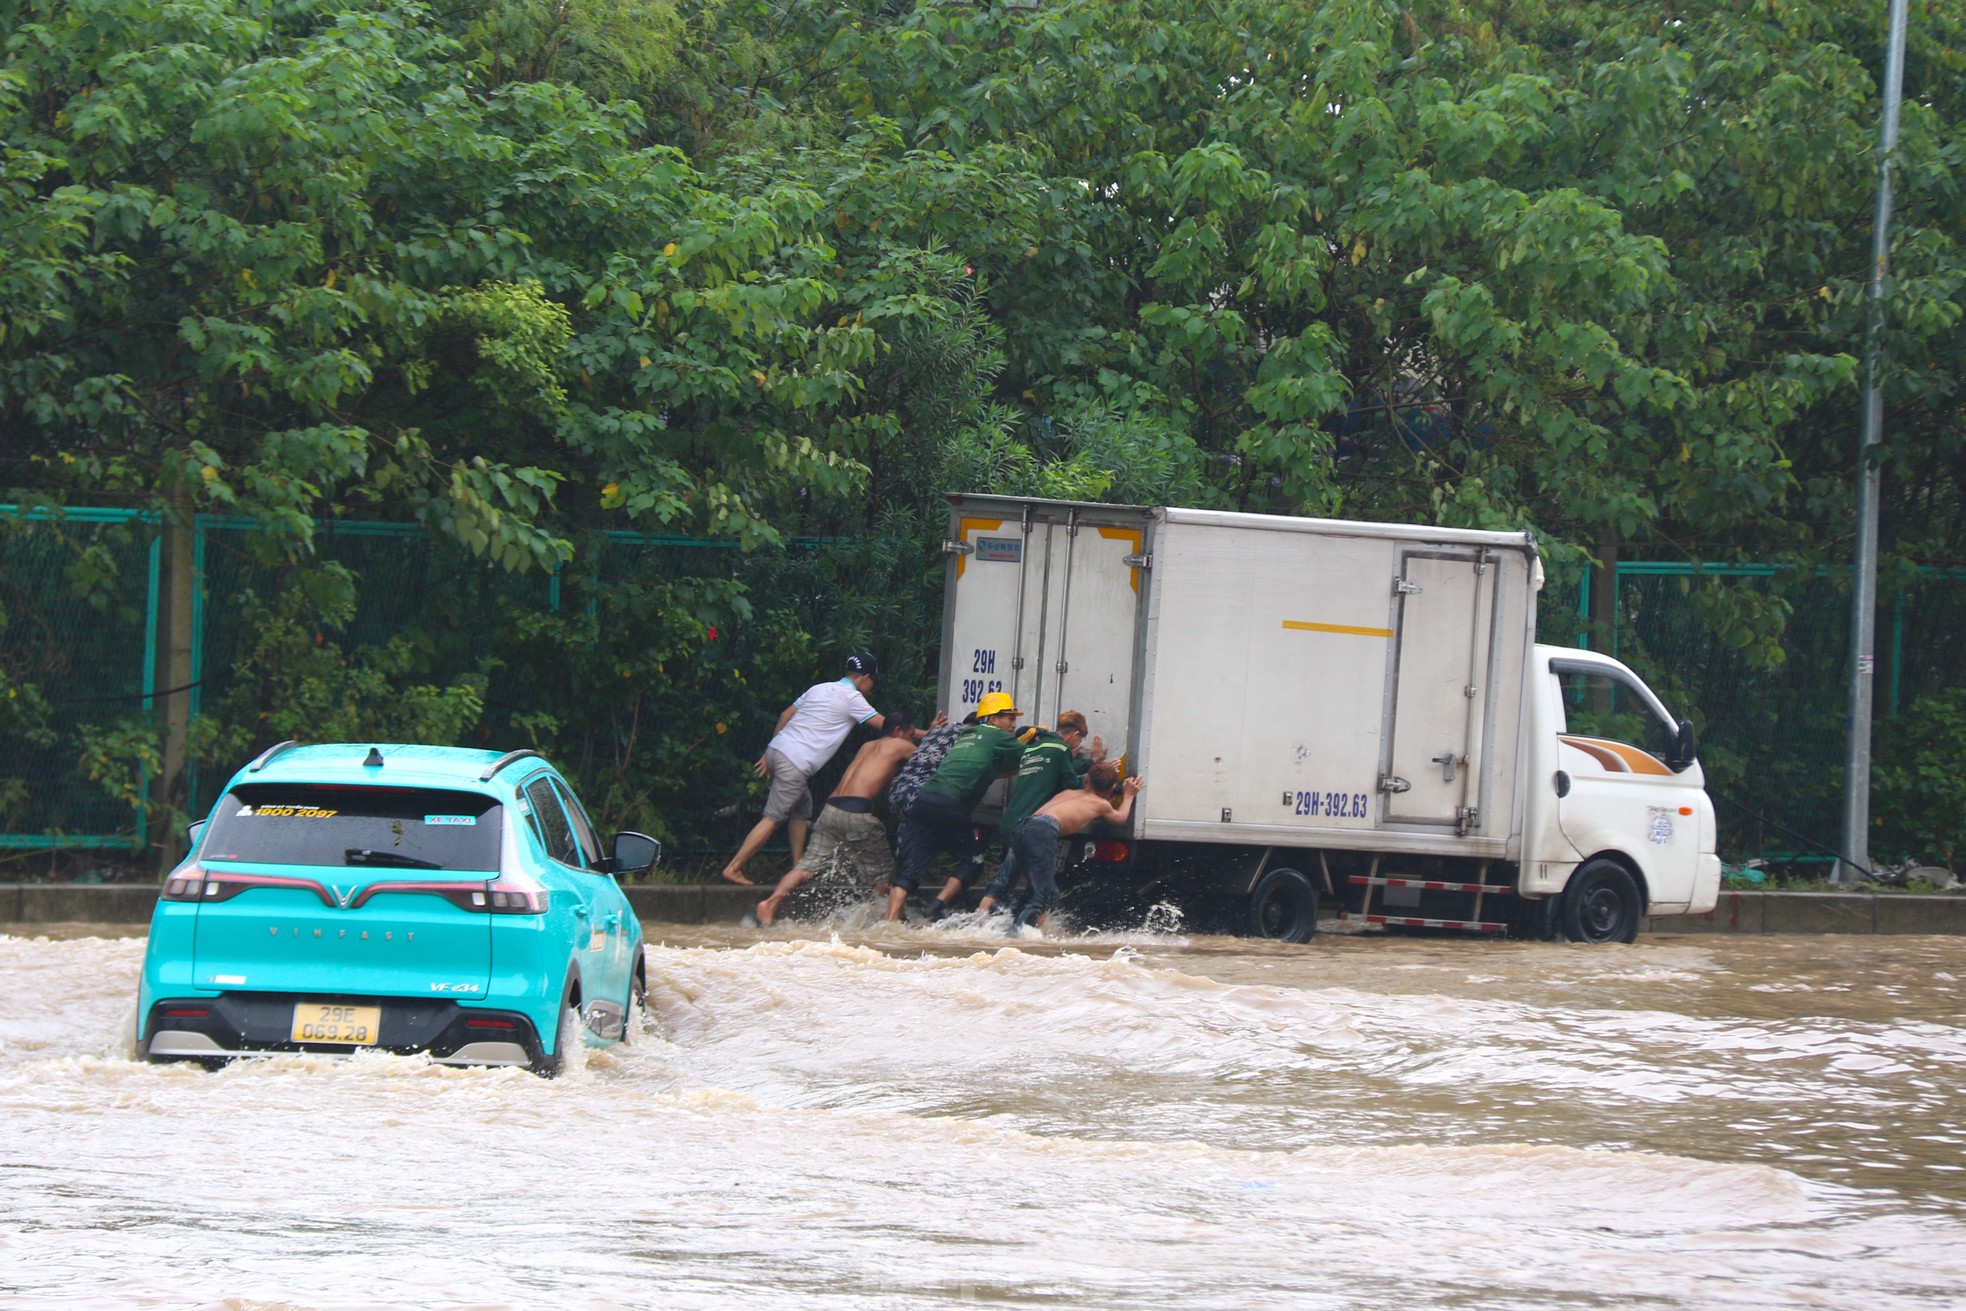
(316, 1021)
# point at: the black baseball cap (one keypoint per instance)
(862, 662)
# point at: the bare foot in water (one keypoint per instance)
(766, 909)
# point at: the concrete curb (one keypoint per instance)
(1821, 912)
(725, 903)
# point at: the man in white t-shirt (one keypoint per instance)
(809, 731)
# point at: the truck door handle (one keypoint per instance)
(1446, 760)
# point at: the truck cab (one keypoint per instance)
(1617, 823)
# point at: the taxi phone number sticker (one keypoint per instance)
(1330, 805)
(289, 812)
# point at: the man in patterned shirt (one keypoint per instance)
(921, 766)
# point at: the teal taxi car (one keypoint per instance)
(408, 898)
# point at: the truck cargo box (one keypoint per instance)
(1281, 681)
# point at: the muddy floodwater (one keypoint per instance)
(928, 1116)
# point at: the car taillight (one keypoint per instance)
(195, 883)
(500, 899)
(1110, 853)
(186, 1013)
(187, 884)
(479, 1023)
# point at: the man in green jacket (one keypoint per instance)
(939, 818)
(1051, 764)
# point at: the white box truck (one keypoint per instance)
(1352, 714)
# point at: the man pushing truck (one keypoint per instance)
(1333, 712)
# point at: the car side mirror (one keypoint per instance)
(1686, 749)
(192, 830)
(635, 853)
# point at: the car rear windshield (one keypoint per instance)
(391, 828)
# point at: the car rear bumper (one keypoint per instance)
(248, 1024)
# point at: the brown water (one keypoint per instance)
(915, 1117)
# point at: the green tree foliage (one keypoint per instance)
(527, 272)
(1921, 791)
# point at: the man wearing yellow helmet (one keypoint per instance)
(939, 818)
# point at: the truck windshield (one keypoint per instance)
(391, 828)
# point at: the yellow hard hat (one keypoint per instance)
(996, 703)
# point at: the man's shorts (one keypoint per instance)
(936, 823)
(849, 844)
(790, 797)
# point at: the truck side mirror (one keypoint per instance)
(1687, 748)
(634, 853)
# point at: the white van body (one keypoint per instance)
(1336, 695)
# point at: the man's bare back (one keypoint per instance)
(1077, 807)
(874, 767)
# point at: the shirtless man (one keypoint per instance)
(1034, 843)
(846, 830)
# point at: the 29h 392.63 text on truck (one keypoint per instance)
(1357, 714)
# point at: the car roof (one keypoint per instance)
(404, 764)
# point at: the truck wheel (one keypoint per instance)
(1283, 907)
(1601, 904)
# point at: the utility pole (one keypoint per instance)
(1863, 591)
(169, 794)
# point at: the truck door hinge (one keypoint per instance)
(1393, 783)
(1403, 588)
(958, 548)
(1481, 562)
(1466, 818)
(1140, 561)
(1471, 691)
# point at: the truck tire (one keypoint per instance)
(1283, 907)
(1601, 904)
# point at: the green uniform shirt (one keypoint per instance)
(973, 763)
(1048, 768)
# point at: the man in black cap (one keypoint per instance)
(809, 731)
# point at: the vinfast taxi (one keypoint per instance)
(408, 898)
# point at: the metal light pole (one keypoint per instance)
(1863, 592)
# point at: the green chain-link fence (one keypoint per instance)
(79, 628)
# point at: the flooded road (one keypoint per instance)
(924, 1116)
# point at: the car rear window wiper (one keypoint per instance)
(363, 856)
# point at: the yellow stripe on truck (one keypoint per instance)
(1349, 630)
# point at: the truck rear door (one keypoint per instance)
(1443, 626)
(1044, 604)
